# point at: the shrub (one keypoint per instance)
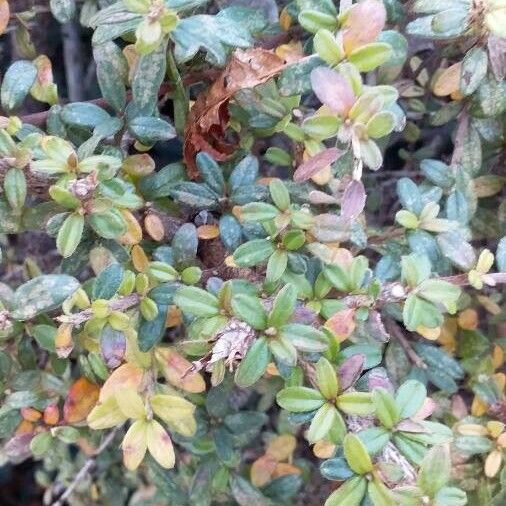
(259, 268)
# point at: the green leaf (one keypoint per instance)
(276, 266)
(70, 234)
(16, 84)
(321, 423)
(211, 173)
(196, 301)
(350, 493)
(42, 294)
(474, 70)
(284, 351)
(327, 47)
(63, 10)
(151, 332)
(84, 114)
(379, 494)
(249, 309)
(246, 494)
(473, 445)
(313, 20)
(253, 252)
(337, 277)
(355, 403)
(381, 124)
(370, 56)
(336, 469)
(112, 72)
(326, 378)
(295, 78)
(283, 306)
(149, 74)
(435, 470)
(356, 454)
(107, 282)
(279, 194)
(305, 338)
(410, 397)
(440, 292)
(108, 224)
(418, 312)
(258, 211)
(253, 365)
(374, 439)
(300, 399)
(385, 407)
(148, 130)
(450, 496)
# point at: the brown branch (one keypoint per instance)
(395, 331)
(120, 304)
(86, 468)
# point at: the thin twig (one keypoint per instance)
(397, 332)
(86, 468)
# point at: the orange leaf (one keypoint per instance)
(139, 258)
(4, 15)
(342, 324)
(133, 235)
(81, 398)
(262, 469)
(175, 368)
(208, 232)
(282, 447)
(154, 227)
(284, 469)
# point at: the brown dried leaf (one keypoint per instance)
(209, 115)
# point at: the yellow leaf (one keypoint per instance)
(497, 356)
(133, 235)
(472, 429)
(130, 403)
(134, 444)
(160, 445)
(447, 81)
(478, 407)
(282, 447)
(171, 408)
(428, 333)
(493, 463)
(185, 427)
(125, 376)
(63, 340)
(106, 415)
(139, 258)
(495, 428)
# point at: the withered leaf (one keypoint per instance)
(81, 398)
(209, 115)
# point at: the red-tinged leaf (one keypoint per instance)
(342, 324)
(262, 470)
(350, 370)
(353, 201)
(316, 163)
(81, 398)
(178, 371)
(333, 90)
(409, 425)
(426, 410)
(112, 347)
(4, 15)
(125, 376)
(364, 23)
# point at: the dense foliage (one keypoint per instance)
(280, 255)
